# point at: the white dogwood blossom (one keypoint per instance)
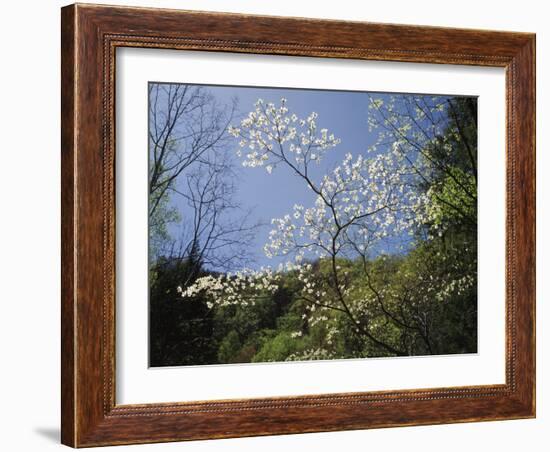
(270, 135)
(242, 288)
(360, 203)
(312, 354)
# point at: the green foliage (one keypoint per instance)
(230, 347)
(277, 349)
(450, 199)
(274, 330)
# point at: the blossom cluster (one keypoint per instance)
(270, 135)
(360, 202)
(312, 354)
(242, 288)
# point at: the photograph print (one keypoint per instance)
(294, 224)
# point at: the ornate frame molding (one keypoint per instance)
(90, 37)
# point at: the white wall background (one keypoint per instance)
(29, 225)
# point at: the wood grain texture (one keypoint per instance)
(90, 36)
(68, 387)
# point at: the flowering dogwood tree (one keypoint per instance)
(408, 185)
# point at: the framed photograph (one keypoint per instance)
(281, 225)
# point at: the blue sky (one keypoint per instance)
(344, 113)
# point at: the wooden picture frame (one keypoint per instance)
(90, 36)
